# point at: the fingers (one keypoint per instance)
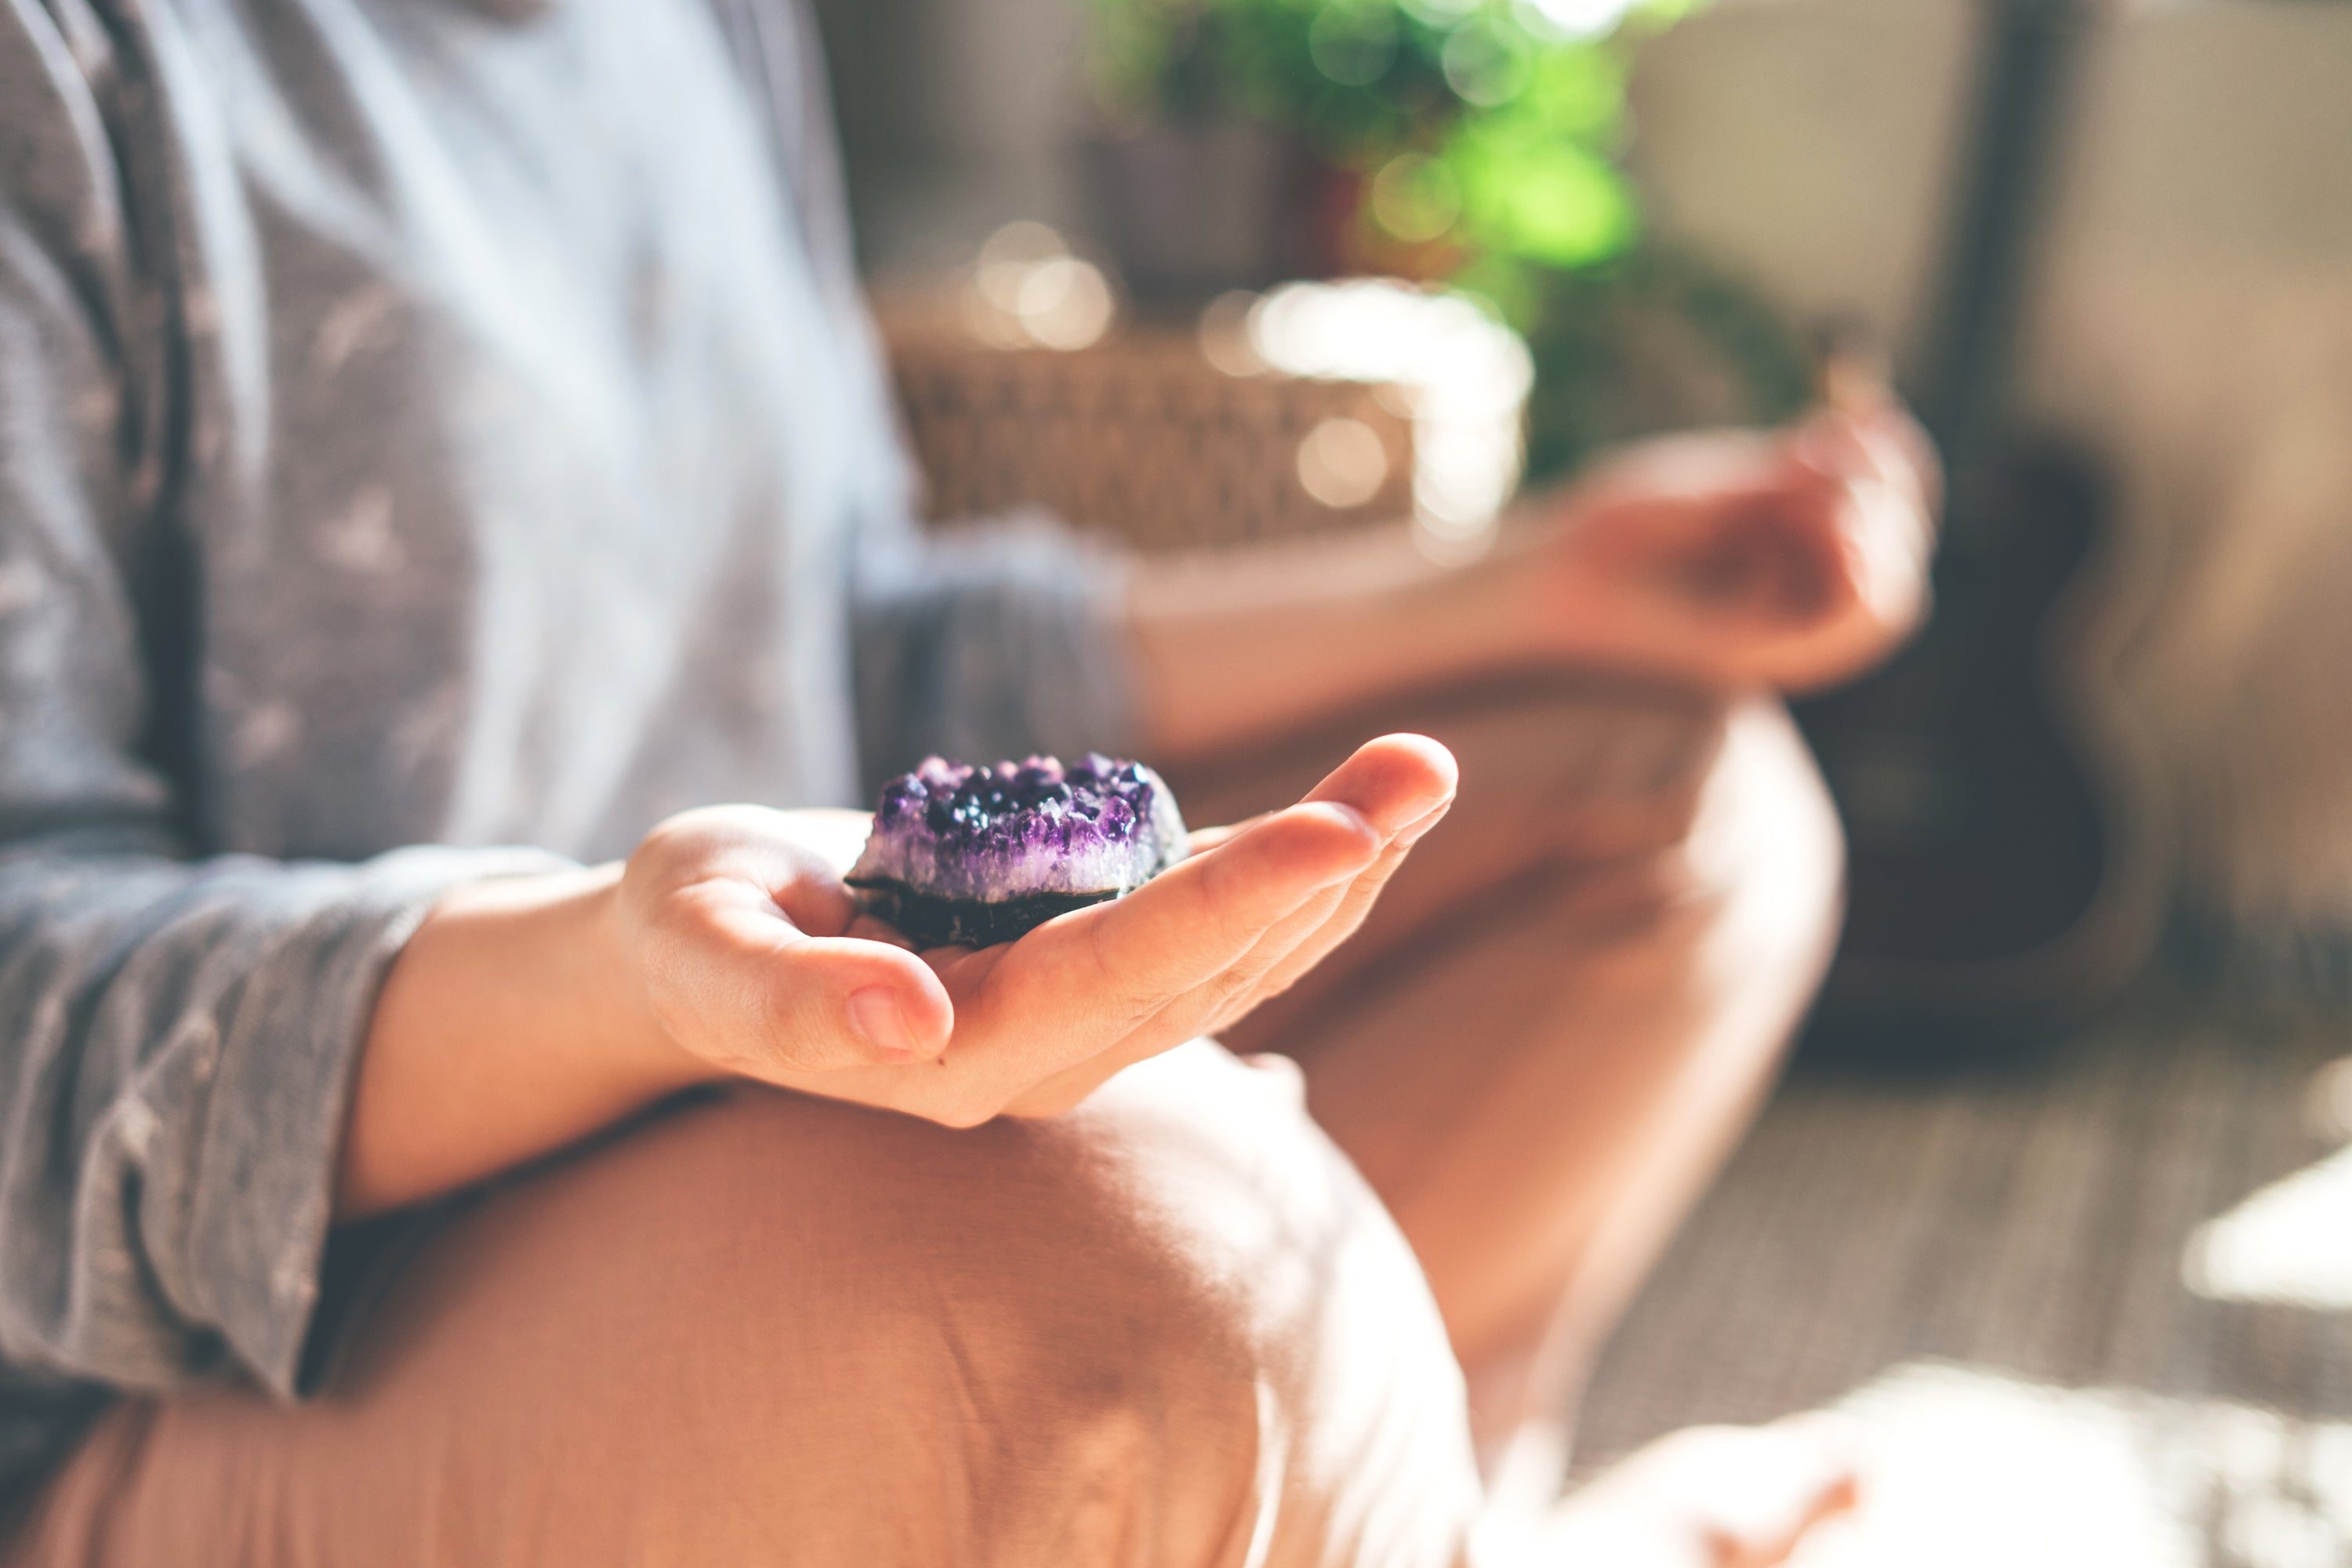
(1833, 537)
(757, 957)
(1737, 531)
(843, 1001)
(1402, 785)
(1792, 560)
(791, 1001)
(1042, 1021)
(1086, 993)
(1387, 784)
(1194, 922)
(1776, 555)
(1884, 442)
(1339, 920)
(1201, 840)
(1393, 781)
(1880, 510)
(1885, 447)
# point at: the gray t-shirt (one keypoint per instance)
(425, 425)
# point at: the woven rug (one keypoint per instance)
(2095, 1308)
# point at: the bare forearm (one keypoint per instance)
(506, 1029)
(1733, 560)
(1242, 643)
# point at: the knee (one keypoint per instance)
(1186, 1234)
(1595, 774)
(1170, 1327)
(1765, 853)
(1717, 837)
(1745, 898)
(1177, 1307)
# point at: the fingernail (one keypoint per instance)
(1412, 831)
(875, 1014)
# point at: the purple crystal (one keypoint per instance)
(981, 854)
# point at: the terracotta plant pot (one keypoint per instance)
(1189, 211)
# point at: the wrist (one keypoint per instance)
(617, 1019)
(560, 947)
(510, 1024)
(1584, 603)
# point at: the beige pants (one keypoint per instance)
(1174, 1327)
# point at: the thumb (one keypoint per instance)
(784, 1000)
(840, 1002)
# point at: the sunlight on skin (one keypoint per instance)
(1964, 1466)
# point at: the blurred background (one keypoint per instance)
(2053, 1200)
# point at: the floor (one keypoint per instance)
(2091, 1307)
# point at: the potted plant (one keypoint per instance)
(1470, 142)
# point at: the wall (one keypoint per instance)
(2193, 319)
(2194, 315)
(956, 117)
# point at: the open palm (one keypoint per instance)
(757, 946)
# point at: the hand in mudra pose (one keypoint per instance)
(1730, 560)
(755, 962)
(1790, 559)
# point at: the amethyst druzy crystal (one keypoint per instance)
(981, 854)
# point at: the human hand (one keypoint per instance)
(1794, 559)
(754, 959)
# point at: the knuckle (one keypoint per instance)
(779, 1018)
(1228, 998)
(785, 1029)
(1240, 981)
(677, 839)
(1127, 1001)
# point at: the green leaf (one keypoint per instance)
(1546, 200)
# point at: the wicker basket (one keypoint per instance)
(1139, 436)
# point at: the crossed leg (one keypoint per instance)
(1569, 1002)
(1173, 1327)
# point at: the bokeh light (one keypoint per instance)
(1568, 19)
(1342, 463)
(1415, 197)
(1027, 290)
(1467, 377)
(1353, 44)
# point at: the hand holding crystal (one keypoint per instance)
(753, 956)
